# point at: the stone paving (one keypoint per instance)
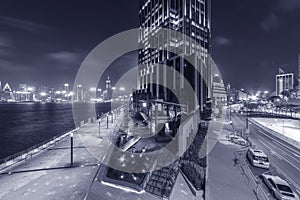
(48, 174)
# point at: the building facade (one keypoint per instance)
(219, 97)
(191, 18)
(284, 82)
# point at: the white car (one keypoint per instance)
(279, 188)
(239, 141)
(258, 158)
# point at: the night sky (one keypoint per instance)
(44, 42)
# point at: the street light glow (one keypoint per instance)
(93, 89)
(30, 89)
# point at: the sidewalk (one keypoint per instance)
(48, 174)
(225, 179)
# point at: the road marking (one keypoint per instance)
(276, 154)
(276, 141)
(280, 157)
(288, 148)
(290, 179)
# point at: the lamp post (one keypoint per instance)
(247, 119)
(99, 121)
(230, 121)
(112, 116)
(282, 126)
(107, 120)
(71, 136)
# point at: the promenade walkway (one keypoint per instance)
(225, 178)
(48, 174)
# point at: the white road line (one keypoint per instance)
(280, 157)
(286, 176)
(288, 148)
(276, 154)
(276, 141)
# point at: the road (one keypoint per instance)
(284, 158)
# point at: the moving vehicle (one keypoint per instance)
(279, 188)
(258, 158)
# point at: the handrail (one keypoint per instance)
(13, 156)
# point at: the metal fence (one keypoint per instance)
(34, 149)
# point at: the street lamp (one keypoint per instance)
(122, 89)
(71, 136)
(282, 126)
(107, 120)
(247, 119)
(99, 121)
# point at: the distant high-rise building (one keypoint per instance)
(7, 88)
(219, 96)
(67, 88)
(23, 87)
(108, 92)
(284, 82)
(191, 18)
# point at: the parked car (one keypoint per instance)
(258, 158)
(279, 188)
(239, 141)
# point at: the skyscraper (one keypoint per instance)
(192, 19)
(284, 82)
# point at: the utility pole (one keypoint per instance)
(107, 120)
(71, 135)
(247, 119)
(99, 126)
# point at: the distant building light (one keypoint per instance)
(30, 89)
(93, 89)
(253, 97)
(43, 94)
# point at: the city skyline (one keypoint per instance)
(57, 48)
(150, 99)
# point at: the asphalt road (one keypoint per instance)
(284, 158)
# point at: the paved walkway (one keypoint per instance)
(225, 178)
(48, 174)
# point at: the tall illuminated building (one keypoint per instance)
(284, 82)
(191, 18)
